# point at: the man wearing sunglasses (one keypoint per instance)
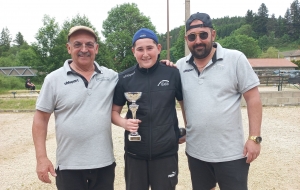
(214, 79)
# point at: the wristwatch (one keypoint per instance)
(256, 139)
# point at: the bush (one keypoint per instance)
(10, 83)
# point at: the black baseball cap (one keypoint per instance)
(205, 18)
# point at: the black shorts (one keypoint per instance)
(159, 174)
(231, 175)
(91, 179)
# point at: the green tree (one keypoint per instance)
(179, 49)
(261, 20)
(118, 29)
(295, 19)
(225, 26)
(288, 23)
(76, 21)
(297, 62)
(174, 34)
(245, 29)
(45, 44)
(163, 54)
(249, 17)
(280, 30)
(19, 40)
(263, 42)
(27, 57)
(5, 40)
(105, 56)
(7, 61)
(272, 52)
(243, 43)
(272, 24)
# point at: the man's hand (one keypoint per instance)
(44, 166)
(131, 125)
(181, 139)
(168, 63)
(251, 150)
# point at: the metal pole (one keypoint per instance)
(187, 15)
(168, 33)
(279, 82)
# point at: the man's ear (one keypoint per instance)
(97, 48)
(185, 37)
(68, 47)
(213, 35)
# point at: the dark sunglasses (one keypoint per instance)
(192, 37)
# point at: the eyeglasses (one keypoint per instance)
(192, 37)
(88, 45)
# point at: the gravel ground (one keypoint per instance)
(277, 168)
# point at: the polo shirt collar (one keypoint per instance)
(218, 55)
(68, 69)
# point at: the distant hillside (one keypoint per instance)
(224, 27)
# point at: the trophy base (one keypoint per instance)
(134, 137)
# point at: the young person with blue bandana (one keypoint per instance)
(153, 161)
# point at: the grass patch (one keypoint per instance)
(17, 104)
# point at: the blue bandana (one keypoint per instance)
(144, 33)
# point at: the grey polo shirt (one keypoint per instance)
(212, 104)
(82, 116)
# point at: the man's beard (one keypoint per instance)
(200, 54)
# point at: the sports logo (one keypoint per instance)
(71, 82)
(172, 174)
(188, 70)
(163, 83)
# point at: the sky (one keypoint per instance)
(26, 16)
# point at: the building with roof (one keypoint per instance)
(293, 55)
(274, 71)
(271, 64)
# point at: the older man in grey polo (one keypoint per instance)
(80, 96)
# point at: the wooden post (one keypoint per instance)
(187, 15)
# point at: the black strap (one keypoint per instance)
(197, 26)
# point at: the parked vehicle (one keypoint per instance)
(294, 73)
(287, 73)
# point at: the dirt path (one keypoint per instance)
(277, 168)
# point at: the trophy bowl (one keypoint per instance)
(133, 96)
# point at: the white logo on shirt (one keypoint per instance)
(128, 75)
(163, 83)
(218, 67)
(172, 174)
(103, 79)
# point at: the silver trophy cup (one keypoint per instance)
(133, 97)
